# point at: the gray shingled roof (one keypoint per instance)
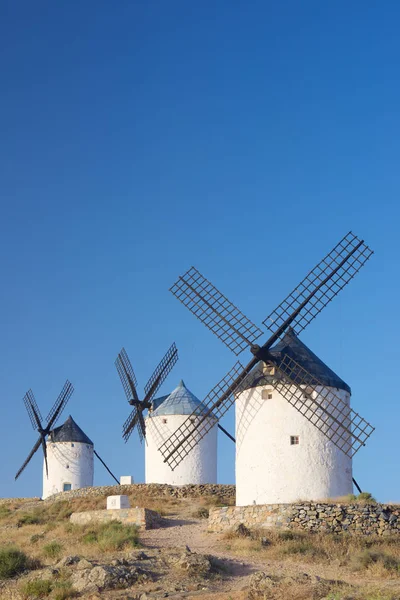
(180, 401)
(69, 432)
(291, 345)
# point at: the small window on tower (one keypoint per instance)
(67, 466)
(72, 445)
(294, 439)
(164, 421)
(67, 487)
(266, 394)
(268, 369)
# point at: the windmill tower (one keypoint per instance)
(272, 439)
(168, 414)
(67, 450)
(70, 459)
(164, 415)
(298, 402)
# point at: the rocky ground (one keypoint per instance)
(182, 559)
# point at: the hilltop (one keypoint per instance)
(48, 557)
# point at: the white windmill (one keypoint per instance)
(68, 452)
(70, 459)
(165, 414)
(296, 432)
(296, 459)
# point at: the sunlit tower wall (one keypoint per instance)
(200, 465)
(70, 455)
(281, 457)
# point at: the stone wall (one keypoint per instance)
(365, 519)
(225, 492)
(147, 519)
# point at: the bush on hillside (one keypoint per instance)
(12, 562)
(366, 497)
(112, 536)
(36, 589)
(52, 549)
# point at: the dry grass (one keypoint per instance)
(377, 556)
(372, 560)
(362, 498)
(215, 500)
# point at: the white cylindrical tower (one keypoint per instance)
(280, 456)
(169, 412)
(69, 459)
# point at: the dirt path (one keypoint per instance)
(179, 533)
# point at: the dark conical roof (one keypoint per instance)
(69, 432)
(290, 345)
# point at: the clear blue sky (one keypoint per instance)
(140, 137)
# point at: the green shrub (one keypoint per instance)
(90, 538)
(52, 549)
(301, 547)
(29, 519)
(364, 559)
(112, 536)
(12, 562)
(38, 588)
(48, 515)
(287, 535)
(4, 511)
(63, 590)
(366, 497)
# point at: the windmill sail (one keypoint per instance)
(32, 452)
(127, 376)
(59, 404)
(36, 420)
(320, 286)
(32, 409)
(161, 372)
(214, 309)
(345, 428)
(129, 383)
(199, 423)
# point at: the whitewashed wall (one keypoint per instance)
(269, 470)
(199, 466)
(68, 462)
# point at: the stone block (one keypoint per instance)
(126, 480)
(117, 502)
(147, 519)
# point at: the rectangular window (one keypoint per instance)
(266, 394)
(164, 421)
(294, 439)
(66, 487)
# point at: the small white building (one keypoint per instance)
(280, 456)
(168, 413)
(69, 459)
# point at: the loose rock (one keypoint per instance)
(194, 564)
(107, 577)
